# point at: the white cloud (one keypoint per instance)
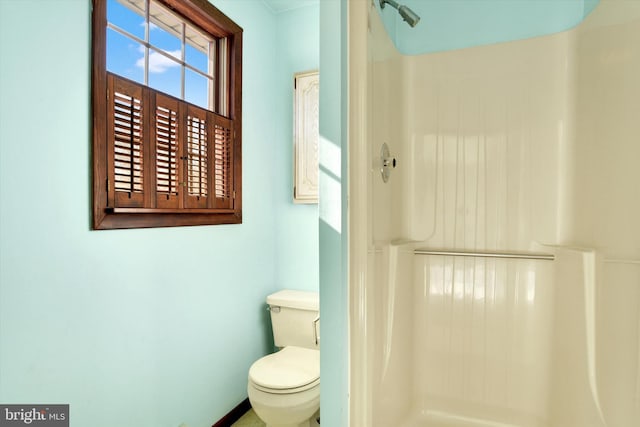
(152, 26)
(158, 63)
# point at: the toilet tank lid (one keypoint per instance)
(302, 300)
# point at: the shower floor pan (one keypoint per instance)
(441, 419)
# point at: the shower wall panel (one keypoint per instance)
(385, 127)
(483, 334)
(606, 196)
(618, 342)
(485, 126)
(392, 334)
(606, 154)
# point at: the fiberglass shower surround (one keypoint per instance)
(496, 280)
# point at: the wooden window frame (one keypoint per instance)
(147, 213)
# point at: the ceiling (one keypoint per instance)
(278, 6)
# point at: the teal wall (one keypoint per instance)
(456, 24)
(298, 41)
(334, 356)
(130, 327)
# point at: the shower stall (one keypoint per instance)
(495, 276)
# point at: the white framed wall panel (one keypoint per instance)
(306, 136)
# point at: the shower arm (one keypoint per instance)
(393, 4)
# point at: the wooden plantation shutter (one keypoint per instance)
(167, 137)
(197, 158)
(222, 164)
(125, 151)
(166, 156)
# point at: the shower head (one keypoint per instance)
(408, 15)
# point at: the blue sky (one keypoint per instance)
(125, 56)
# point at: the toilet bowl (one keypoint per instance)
(284, 387)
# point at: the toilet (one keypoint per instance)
(284, 387)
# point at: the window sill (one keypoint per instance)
(125, 218)
(166, 211)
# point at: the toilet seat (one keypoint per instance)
(290, 370)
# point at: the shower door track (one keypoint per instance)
(483, 254)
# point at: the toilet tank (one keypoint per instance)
(295, 318)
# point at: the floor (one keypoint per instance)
(250, 419)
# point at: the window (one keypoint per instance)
(166, 114)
